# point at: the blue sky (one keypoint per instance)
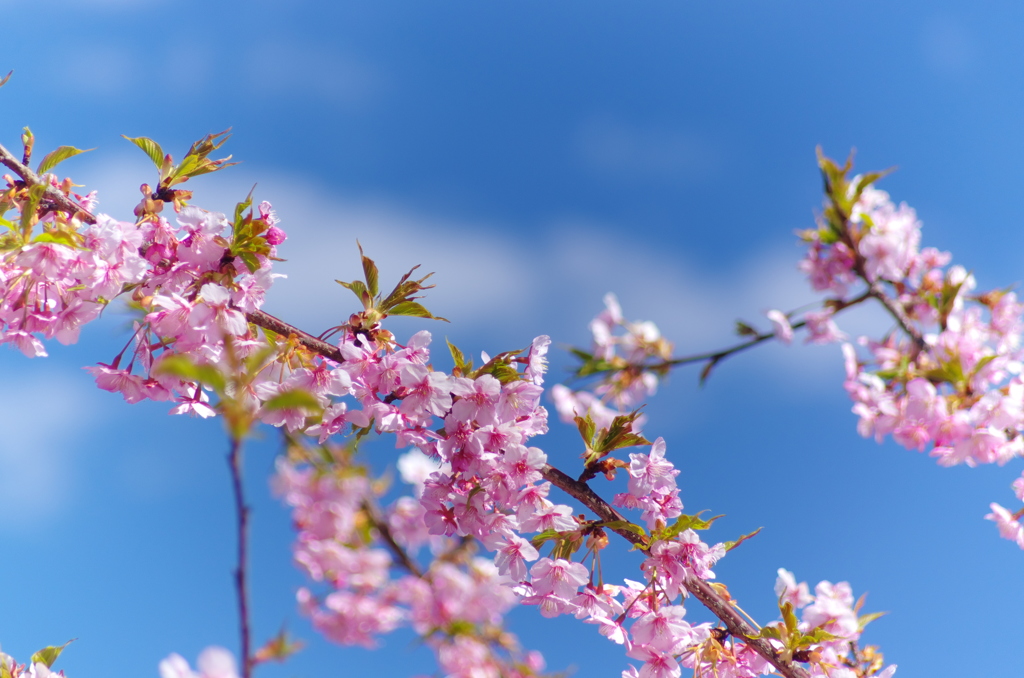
(535, 155)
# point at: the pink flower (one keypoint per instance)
(651, 472)
(790, 592)
(1009, 527)
(560, 577)
(213, 662)
(780, 326)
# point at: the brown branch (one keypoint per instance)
(59, 201)
(897, 311)
(377, 520)
(241, 588)
(318, 346)
(699, 588)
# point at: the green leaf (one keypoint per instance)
(240, 211)
(53, 158)
(251, 262)
(59, 237)
(866, 619)
(457, 356)
(49, 654)
(587, 428)
(706, 372)
(581, 354)
(502, 371)
(624, 525)
(618, 435)
(544, 537)
(150, 147)
(369, 273)
(414, 309)
(685, 522)
(182, 367)
(288, 400)
(818, 635)
(187, 167)
(358, 289)
(730, 545)
(770, 632)
(28, 211)
(745, 330)
(278, 648)
(789, 618)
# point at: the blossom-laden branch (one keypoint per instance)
(700, 589)
(947, 379)
(197, 286)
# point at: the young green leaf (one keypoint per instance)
(370, 273)
(297, 398)
(150, 148)
(730, 545)
(414, 309)
(685, 522)
(49, 654)
(55, 157)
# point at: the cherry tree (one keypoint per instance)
(479, 527)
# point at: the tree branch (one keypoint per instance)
(59, 200)
(377, 520)
(318, 346)
(241, 587)
(699, 588)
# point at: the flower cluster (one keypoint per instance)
(630, 357)
(193, 299)
(191, 281)
(949, 380)
(53, 282)
(456, 605)
(832, 617)
(198, 284)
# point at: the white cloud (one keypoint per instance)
(42, 417)
(494, 283)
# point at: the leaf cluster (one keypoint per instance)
(196, 162)
(502, 367)
(601, 442)
(248, 236)
(400, 301)
(842, 193)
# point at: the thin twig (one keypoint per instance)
(241, 588)
(699, 588)
(897, 311)
(875, 290)
(378, 522)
